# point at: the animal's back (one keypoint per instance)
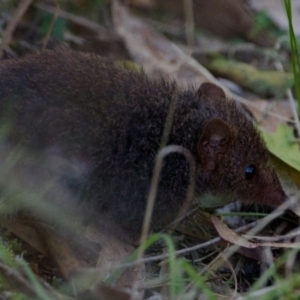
(59, 91)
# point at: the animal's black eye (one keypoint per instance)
(249, 172)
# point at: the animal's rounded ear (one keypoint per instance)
(210, 90)
(214, 143)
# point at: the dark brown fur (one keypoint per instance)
(110, 122)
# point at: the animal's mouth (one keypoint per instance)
(272, 196)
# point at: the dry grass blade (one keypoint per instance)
(8, 33)
(54, 18)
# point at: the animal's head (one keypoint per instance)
(233, 158)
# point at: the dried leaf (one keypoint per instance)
(154, 52)
(263, 112)
(25, 233)
(229, 235)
